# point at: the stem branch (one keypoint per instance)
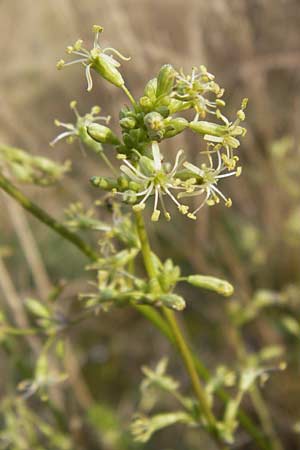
(44, 217)
(180, 341)
(146, 311)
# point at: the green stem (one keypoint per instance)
(255, 394)
(177, 333)
(191, 368)
(150, 313)
(108, 163)
(40, 214)
(129, 95)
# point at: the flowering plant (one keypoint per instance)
(144, 176)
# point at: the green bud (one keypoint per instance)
(222, 287)
(102, 65)
(154, 121)
(88, 141)
(124, 112)
(150, 89)
(122, 183)
(146, 103)
(129, 197)
(133, 186)
(172, 301)
(175, 126)
(212, 129)
(165, 80)
(106, 183)
(103, 134)
(128, 122)
(163, 110)
(128, 141)
(175, 106)
(169, 275)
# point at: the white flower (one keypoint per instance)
(193, 88)
(101, 60)
(79, 128)
(210, 177)
(155, 180)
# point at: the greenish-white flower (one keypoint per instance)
(79, 128)
(196, 88)
(209, 176)
(99, 59)
(153, 178)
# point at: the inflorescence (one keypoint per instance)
(144, 174)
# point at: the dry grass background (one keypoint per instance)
(253, 48)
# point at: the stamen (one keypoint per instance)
(62, 136)
(74, 62)
(69, 126)
(73, 106)
(155, 199)
(179, 154)
(141, 205)
(202, 204)
(86, 54)
(166, 214)
(171, 196)
(219, 192)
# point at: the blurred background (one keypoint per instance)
(253, 48)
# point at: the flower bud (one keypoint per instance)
(222, 287)
(154, 121)
(163, 110)
(150, 89)
(128, 122)
(172, 301)
(129, 197)
(103, 65)
(175, 126)
(88, 141)
(210, 128)
(106, 183)
(175, 106)
(122, 183)
(146, 103)
(165, 80)
(103, 134)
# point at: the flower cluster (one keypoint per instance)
(193, 89)
(144, 174)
